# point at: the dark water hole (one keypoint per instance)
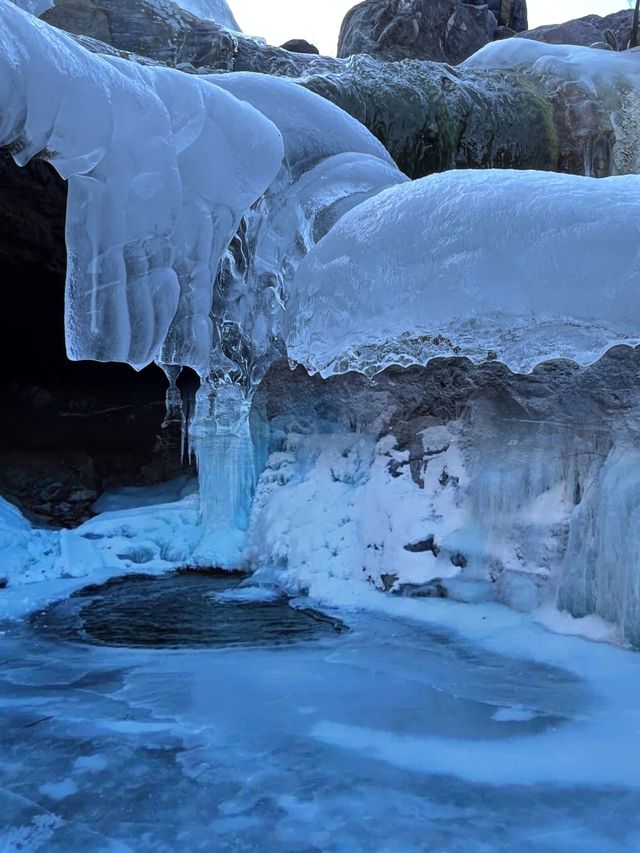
(179, 610)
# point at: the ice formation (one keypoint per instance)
(331, 163)
(600, 572)
(521, 267)
(146, 225)
(259, 220)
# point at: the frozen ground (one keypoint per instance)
(429, 726)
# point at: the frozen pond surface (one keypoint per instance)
(395, 735)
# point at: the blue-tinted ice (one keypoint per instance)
(393, 736)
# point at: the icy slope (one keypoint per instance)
(521, 267)
(146, 225)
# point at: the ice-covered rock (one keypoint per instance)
(518, 267)
(472, 119)
(601, 568)
(163, 31)
(509, 117)
(457, 480)
(595, 97)
(34, 7)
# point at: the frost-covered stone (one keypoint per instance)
(211, 10)
(587, 30)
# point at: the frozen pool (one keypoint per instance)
(394, 735)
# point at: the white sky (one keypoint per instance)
(319, 20)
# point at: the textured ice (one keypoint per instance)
(312, 127)
(147, 224)
(211, 10)
(331, 163)
(521, 267)
(382, 738)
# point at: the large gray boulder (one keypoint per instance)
(586, 31)
(439, 30)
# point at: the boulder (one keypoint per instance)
(439, 30)
(591, 29)
(300, 46)
(431, 117)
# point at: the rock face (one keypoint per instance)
(586, 31)
(431, 117)
(163, 32)
(439, 30)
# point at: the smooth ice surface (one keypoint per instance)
(521, 267)
(147, 224)
(211, 10)
(427, 726)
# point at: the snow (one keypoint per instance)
(137, 496)
(522, 267)
(327, 507)
(247, 595)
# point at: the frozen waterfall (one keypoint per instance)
(223, 222)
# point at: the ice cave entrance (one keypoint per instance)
(182, 610)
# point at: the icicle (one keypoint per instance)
(221, 436)
(175, 418)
